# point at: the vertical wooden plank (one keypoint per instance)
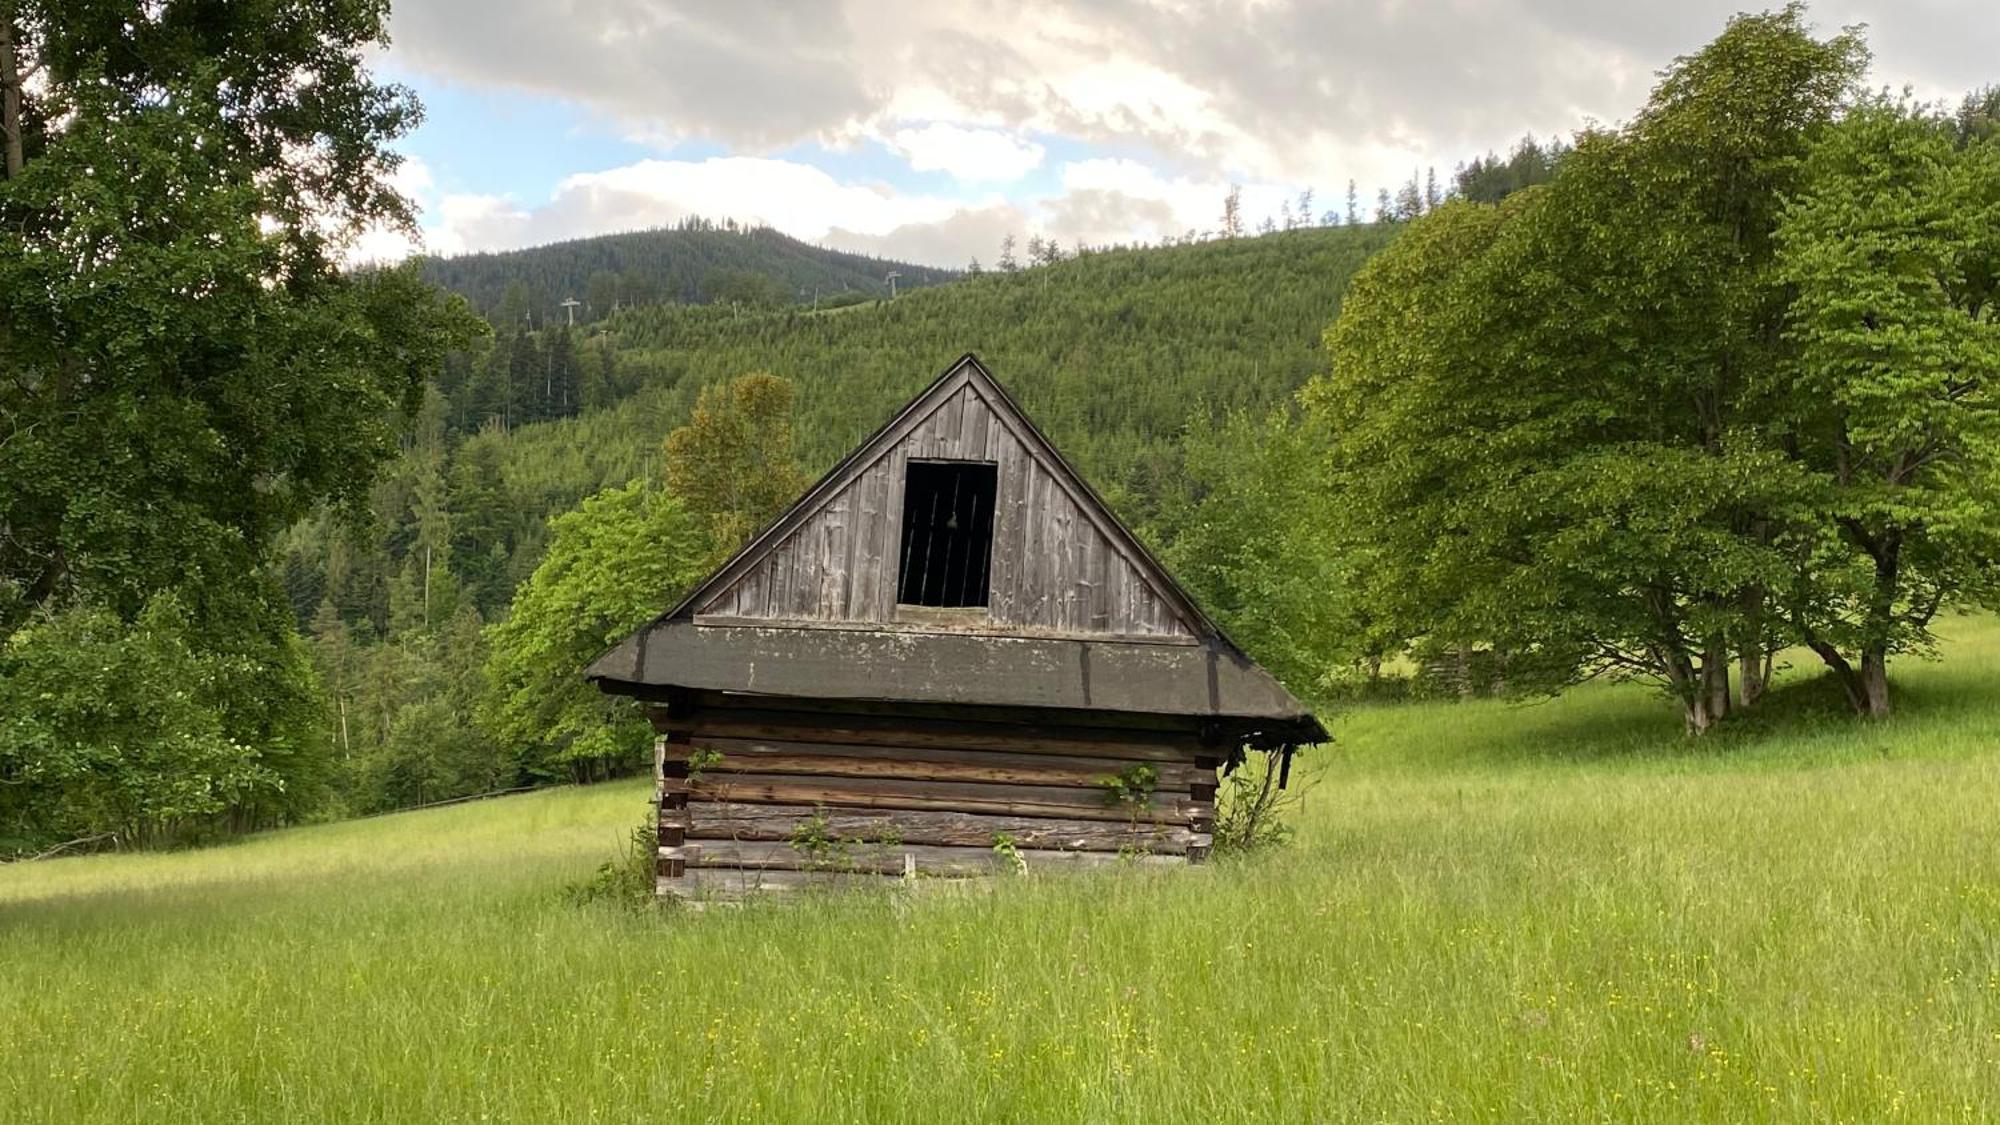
(878, 546)
(864, 553)
(1102, 559)
(1135, 596)
(945, 422)
(1057, 559)
(1009, 516)
(1034, 547)
(750, 600)
(895, 468)
(1076, 579)
(831, 601)
(972, 427)
(802, 589)
(1115, 619)
(1151, 610)
(851, 549)
(778, 588)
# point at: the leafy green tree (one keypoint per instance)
(732, 463)
(612, 565)
(742, 287)
(1892, 252)
(108, 726)
(1252, 544)
(184, 371)
(1549, 420)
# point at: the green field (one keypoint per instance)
(1493, 912)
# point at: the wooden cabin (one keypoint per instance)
(947, 658)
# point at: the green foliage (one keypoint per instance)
(185, 373)
(1892, 252)
(1110, 352)
(1132, 786)
(1008, 850)
(612, 565)
(700, 760)
(1250, 538)
(1251, 812)
(817, 845)
(732, 463)
(1554, 433)
(1114, 351)
(150, 434)
(627, 881)
(1490, 178)
(145, 730)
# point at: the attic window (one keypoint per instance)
(947, 533)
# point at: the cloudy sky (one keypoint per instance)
(928, 129)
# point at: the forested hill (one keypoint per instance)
(1112, 353)
(695, 262)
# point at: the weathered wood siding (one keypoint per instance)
(1054, 568)
(888, 795)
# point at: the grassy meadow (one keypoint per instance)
(1497, 912)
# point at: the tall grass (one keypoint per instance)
(1493, 912)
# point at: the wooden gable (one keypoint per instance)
(1060, 562)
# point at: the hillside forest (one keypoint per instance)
(1671, 400)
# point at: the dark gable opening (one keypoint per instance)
(947, 533)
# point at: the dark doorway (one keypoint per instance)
(947, 532)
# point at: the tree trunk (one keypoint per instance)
(1754, 670)
(10, 94)
(1848, 676)
(1715, 678)
(1690, 688)
(1755, 673)
(1874, 699)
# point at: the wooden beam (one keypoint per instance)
(948, 796)
(883, 730)
(878, 859)
(778, 822)
(726, 883)
(754, 756)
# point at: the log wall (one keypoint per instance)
(770, 798)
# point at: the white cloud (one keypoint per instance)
(1294, 91)
(1099, 201)
(968, 155)
(1275, 95)
(799, 199)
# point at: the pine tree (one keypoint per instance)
(1409, 201)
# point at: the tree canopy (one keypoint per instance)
(185, 370)
(1687, 402)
